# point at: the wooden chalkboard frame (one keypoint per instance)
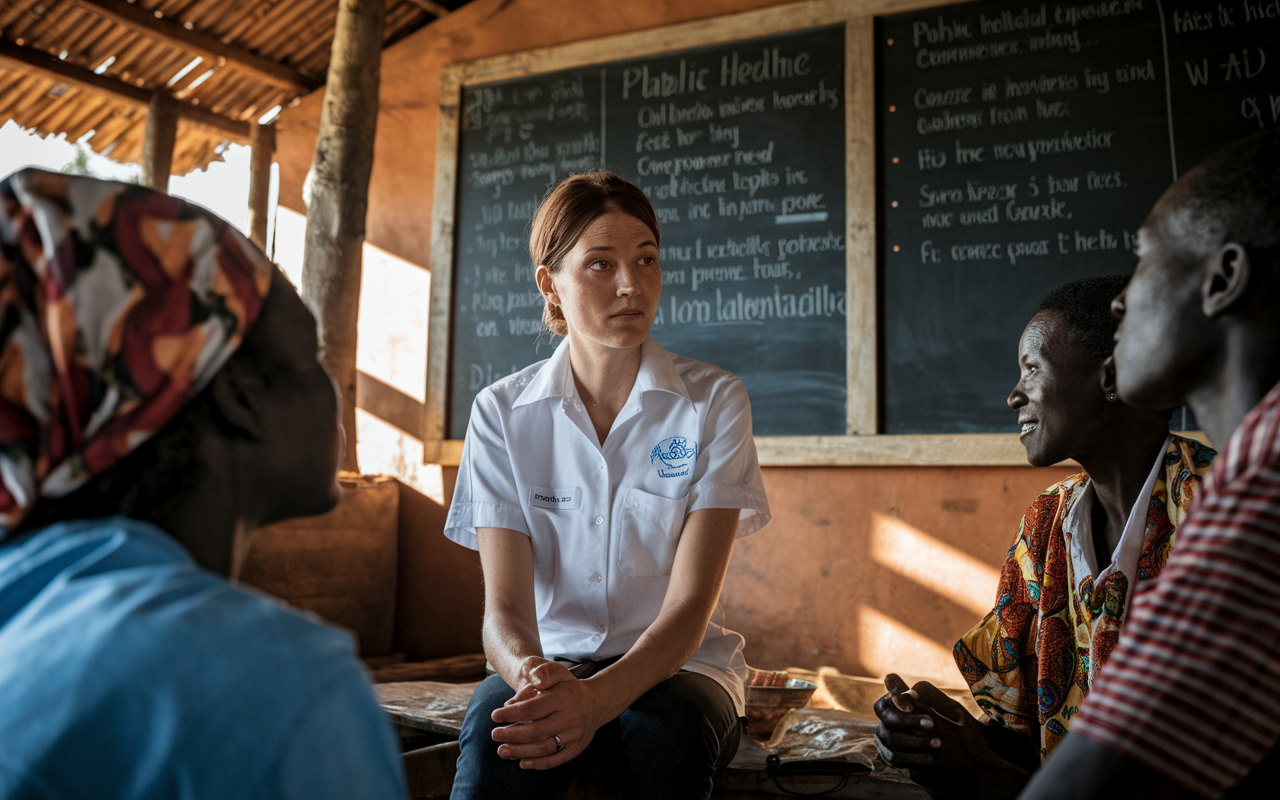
(863, 445)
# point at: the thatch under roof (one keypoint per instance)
(75, 66)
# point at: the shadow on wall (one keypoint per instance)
(439, 599)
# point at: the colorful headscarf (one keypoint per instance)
(117, 305)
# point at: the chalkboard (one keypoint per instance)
(740, 148)
(1021, 145)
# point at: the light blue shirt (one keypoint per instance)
(126, 671)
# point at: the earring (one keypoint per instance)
(1111, 398)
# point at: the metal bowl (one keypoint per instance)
(767, 705)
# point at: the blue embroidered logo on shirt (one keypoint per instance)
(674, 457)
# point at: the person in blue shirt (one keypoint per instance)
(160, 398)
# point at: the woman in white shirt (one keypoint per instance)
(604, 488)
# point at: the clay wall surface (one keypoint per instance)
(864, 569)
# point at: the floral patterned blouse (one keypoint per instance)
(1031, 661)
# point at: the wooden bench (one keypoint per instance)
(428, 716)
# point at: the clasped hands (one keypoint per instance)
(550, 720)
(941, 744)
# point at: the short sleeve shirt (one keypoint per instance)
(605, 519)
(1193, 688)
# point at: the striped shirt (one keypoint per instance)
(1193, 688)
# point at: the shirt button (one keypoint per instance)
(601, 629)
(595, 577)
(599, 520)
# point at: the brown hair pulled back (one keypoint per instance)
(569, 210)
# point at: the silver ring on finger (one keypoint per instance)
(559, 745)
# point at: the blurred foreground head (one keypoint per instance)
(154, 364)
(1206, 275)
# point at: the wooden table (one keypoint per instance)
(811, 734)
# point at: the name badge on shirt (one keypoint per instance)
(554, 499)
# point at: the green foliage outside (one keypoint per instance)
(80, 165)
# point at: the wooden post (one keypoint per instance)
(262, 140)
(158, 140)
(339, 196)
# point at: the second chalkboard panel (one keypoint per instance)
(1021, 146)
(1017, 153)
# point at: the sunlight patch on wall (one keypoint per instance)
(394, 298)
(933, 564)
(291, 234)
(886, 645)
(386, 450)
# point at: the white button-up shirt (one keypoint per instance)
(605, 520)
(1077, 525)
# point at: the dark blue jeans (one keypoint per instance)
(671, 743)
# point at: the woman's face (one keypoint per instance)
(1059, 394)
(609, 284)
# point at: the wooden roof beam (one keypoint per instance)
(207, 47)
(431, 8)
(30, 60)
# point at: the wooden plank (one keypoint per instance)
(49, 30)
(429, 771)
(10, 15)
(90, 108)
(81, 42)
(262, 138)
(175, 34)
(91, 121)
(113, 128)
(861, 345)
(637, 44)
(30, 60)
(881, 450)
(426, 705)
(698, 33)
(465, 667)
(105, 44)
(442, 223)
(318, 37)
(39, 113)
(158, 140)
(226, 87)
(284, 24)
(69, 105)
(217, 15)
(15, 88)
(431, 8)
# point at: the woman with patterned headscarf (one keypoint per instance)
(160, 398)
(1081, 549)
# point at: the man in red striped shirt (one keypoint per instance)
(1189, 703)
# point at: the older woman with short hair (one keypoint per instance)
(1081, 549)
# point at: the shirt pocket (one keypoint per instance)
(649, 532)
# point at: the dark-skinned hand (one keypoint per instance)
(940, 744)
(552, 702)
